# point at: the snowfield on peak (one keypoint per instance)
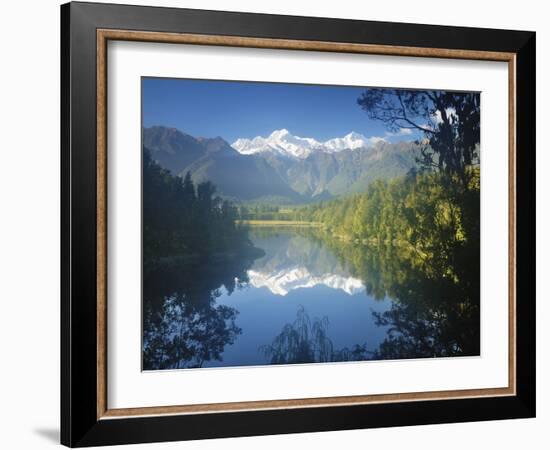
(282, 142)
(351, 141)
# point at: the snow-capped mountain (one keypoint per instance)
(283, 281)
(351, 141)
(281, 168)
(282, 142)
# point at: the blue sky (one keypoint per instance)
(247, 109)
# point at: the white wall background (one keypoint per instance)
(29, 224)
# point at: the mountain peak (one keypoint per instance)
(280, 142)
(277, 134)
(351, 141)
(354, 135)
(283, 143)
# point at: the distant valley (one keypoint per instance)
(281, 168)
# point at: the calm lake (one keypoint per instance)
(298, 272)
(301, 303)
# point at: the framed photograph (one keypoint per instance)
(276, 224)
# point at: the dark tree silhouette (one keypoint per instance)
(183, 326)
(450, 122)
(192, 246)
(307, 341)
(181, 335)
(184, 221)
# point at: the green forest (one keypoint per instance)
(430, 213)
(187, 222)
(420, 210)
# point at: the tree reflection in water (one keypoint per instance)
(434, 306)
(182, 325)
(307, 341)
(434, 310)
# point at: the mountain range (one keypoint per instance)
(281, 168)
(281, 142)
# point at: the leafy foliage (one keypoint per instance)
(415, 240)
(429, 212)
(192, 247)
(181, 219)
(306, 341)
(183, 326)
(450, 122)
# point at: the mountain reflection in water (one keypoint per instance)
(297, 261)
(309, 299)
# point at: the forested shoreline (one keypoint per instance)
(417, 210)
(187, 223)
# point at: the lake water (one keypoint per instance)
(298, 272)
(310, 298)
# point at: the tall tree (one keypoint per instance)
(449, 121)
(181, 219)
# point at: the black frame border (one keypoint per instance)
(79, 423)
